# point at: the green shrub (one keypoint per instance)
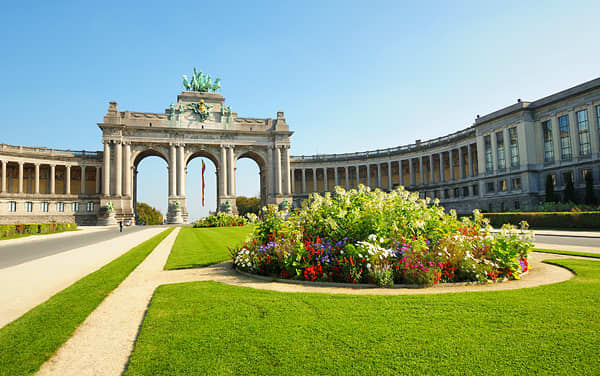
(550, 219)
(7, 231)
(221, 220)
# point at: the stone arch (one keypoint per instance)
(211, 153)
(138, 154)
(259, 156)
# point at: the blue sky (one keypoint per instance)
(349, 75)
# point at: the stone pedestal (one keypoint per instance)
(174, 216)
(106, 218)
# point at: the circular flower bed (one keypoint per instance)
(364, 236)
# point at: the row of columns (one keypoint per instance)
(121, 169)
(466, 165)
(52, 178)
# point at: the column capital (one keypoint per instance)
(36, 164)
(21, 163)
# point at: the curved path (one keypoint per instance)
(103, 343)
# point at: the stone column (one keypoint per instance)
(379, 175)
(4, 176)
(461, 163)
(37, 179)
(98, 169)
(421, 172)
(303, 180)
(231, 171)
(277, 170)
(390, 182)
(325, 180)
(68, 179)
(411, 171)
(21, 177)
(180, 171)
(82, 180)
(347, 177)
(442, 177)
(451, 163)
(470, 156)
(223, 170)
(400, 172)
(369, 175)
(127, 169)
(357, 176)
(52, 179)
(574, 133)
(431, 169)
(118, 169)
(314, 171)
(335, 176)
(593, 125)
(106, 170)
(287, 186)
(495, 152)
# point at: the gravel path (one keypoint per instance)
(103, 343)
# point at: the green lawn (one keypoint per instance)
(568, 253)
(197, 247)
(213, 328)
(30, 340)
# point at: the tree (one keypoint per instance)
(247, 205)
(590, 198)
(550, 197)
(148, 215)
(570, 190)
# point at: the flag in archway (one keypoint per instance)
(203, 168)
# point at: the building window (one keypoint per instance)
(29, 206)
(466, 191)
(489, 164)
(500, 150)
(548, 146)
(514, 147)
(12, 206)
(585, 172)
(475, 189)
(490, 187)
(553, 179)
(75, 207)
(456, 192)
(502, 186)
(516, 183)
(517, 204)
(446, 193)
(490, 208)
(44, 206)
(437, 194)
(566, 176)
(502, 206)
(584, 132)
(90, 206)
(60, 206)
(565, 138)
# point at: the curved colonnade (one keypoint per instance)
(499, 163)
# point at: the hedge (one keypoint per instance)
(35, 228)
(589, 219)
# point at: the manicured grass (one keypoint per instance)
(197, 247)
(17, 236)
(568, 253)
(213, 328)
(30, 340)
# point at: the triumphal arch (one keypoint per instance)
(199, 124)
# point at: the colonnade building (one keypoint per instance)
(499, 163)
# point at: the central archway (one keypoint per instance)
(251, 154)
(193, 208)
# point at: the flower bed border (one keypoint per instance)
(369, 285)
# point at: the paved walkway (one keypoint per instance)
(103, 343)
(28, 284)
